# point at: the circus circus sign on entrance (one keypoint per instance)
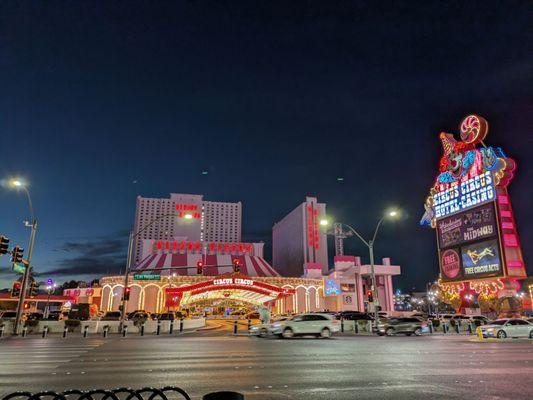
(237, 287)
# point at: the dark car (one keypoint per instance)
(111, 316)
(354, 316)
(170, 316)
(138, 315)
(34, 316)
(54, 316)
(407, 326)
(8, 315)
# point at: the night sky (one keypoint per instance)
(103, 101)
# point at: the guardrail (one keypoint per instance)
(145, 393)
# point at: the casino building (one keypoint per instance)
(221, 277)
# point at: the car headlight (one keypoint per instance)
(276, 325)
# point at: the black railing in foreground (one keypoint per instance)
(146, 393)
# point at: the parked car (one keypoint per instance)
(111, 316)
(33, 316)
(480, 320)
(8, 315)
(54, 316)
(354, 316)
(138, 315)
(320, 325)
(408, 326)
(170, 316)
(508, 327)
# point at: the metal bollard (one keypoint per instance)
(181, 325)
(342, 325)
(445, 327)
(470, 327)
(125, 331)
(2, 331)
(249, 325)
(457, 327)
(65, 330)
(171, 327)
(106, 330)
(24, 331)
(430, 326)
(355, 327)
(158, 329)
(142, 329)
(45, 331)
(85, 331)
(235, 327)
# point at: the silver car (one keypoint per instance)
(263, 330)
(320, 325)
(508, 327)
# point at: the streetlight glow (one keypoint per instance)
(188, 216)
(324, 222)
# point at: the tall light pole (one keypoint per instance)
(21, 185)
(129, 261)
(370, 244)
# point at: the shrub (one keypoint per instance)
(72, 324)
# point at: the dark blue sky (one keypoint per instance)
(275, 99)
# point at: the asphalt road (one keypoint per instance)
(340, 368)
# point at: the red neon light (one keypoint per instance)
(515, 264)
(507, 225)
(174, 246)
(510, 240)
(182, 245)
(506, 214)
(189, 246)
(212, 246)
(167, 245)
(226, 246)
(159, 245)
(248, 247)
(198, 246)
(502, 199)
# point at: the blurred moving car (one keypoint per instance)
(170, 316)
(407, 326)
(138, 315)
(33, 316)
(508, 327)
(111, 316)
(263, 330)
(320, 325)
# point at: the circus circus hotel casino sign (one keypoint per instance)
(470, 209)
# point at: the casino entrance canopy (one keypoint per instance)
(232, 287)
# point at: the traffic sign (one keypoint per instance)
(147, 277)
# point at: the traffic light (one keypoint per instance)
(236, 265)
(127, 293)
(4, 244)
(15, 290)
(34, 289)
(370, 296)
(16, 254)
(200, 267)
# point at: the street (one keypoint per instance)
(345, 367)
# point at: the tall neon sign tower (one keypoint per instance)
(470, 209)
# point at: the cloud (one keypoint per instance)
(91, 257)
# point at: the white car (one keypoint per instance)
(320, 325)
(263, 330)
(508, 327)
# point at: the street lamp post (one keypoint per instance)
(27, 271)
(129, 260)
(370, 245)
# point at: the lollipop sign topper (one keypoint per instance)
(473, 129)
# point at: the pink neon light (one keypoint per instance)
(502, 199)
(506, 214)
(510, 240)
(507, 225)
(515, 264)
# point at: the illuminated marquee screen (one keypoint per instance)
(466, 194)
